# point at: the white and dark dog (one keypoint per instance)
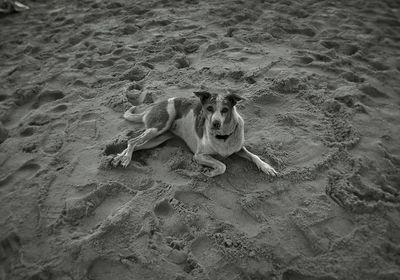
(210, 125)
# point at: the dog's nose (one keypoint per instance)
(216, 124)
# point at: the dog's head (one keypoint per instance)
(220, 112)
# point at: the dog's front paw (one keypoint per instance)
(212, 172)
(209, 173)
(267, 169)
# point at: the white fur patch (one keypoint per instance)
(171, 111)
(185, 129)
(217, 116)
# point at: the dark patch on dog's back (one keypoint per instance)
(200, 120)
(200, 116)
(183, 106)
(158, 115)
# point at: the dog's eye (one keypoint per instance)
(210, 109)
(224, 110)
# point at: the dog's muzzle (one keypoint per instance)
(216, 125)
(225, 136)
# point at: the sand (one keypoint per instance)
(322, 86)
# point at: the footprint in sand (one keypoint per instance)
(377, 65)
(397, 65)
(77, 38)
(3, 97)
(351, 77)
(54, 141)
(174, 221)
(346, 49)
(304, 59)
(103, 268)
(98, 204)
(9, 249)
(267, 98)
(321, 57)
(291, 274)
(330, 44)
(86, 129)
(221, 205)
(171, 213)
(27, 131)
(59, 108)
(9, 245)
(306, 31)
(88, 94)
(47, 96)
(373, 92)
(163, 208)
(90, 116)
(24, 172)
(309, 57)
(3, 133)
(203, 248)
(320, 224)
(39, 119)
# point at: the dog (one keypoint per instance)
(209, 124)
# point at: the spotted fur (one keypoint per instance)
(209, 125)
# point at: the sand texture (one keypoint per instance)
(322, 86)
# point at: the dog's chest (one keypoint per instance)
(233, 144)
(185, 128)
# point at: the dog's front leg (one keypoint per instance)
(263, 166)
(217, 166)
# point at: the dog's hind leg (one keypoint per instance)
(157, 119)
(207, 160)
(125, 157)
(263, 166)
(129, 115)
(155, 141)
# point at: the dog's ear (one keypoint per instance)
(203, 95)
(234, 98)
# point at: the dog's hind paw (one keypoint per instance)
(118, 159)
(125, 160)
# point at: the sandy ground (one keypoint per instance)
(322, 82)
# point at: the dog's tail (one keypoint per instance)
(130, 116)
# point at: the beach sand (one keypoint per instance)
(322, 86)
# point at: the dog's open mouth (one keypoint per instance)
(225, 136)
